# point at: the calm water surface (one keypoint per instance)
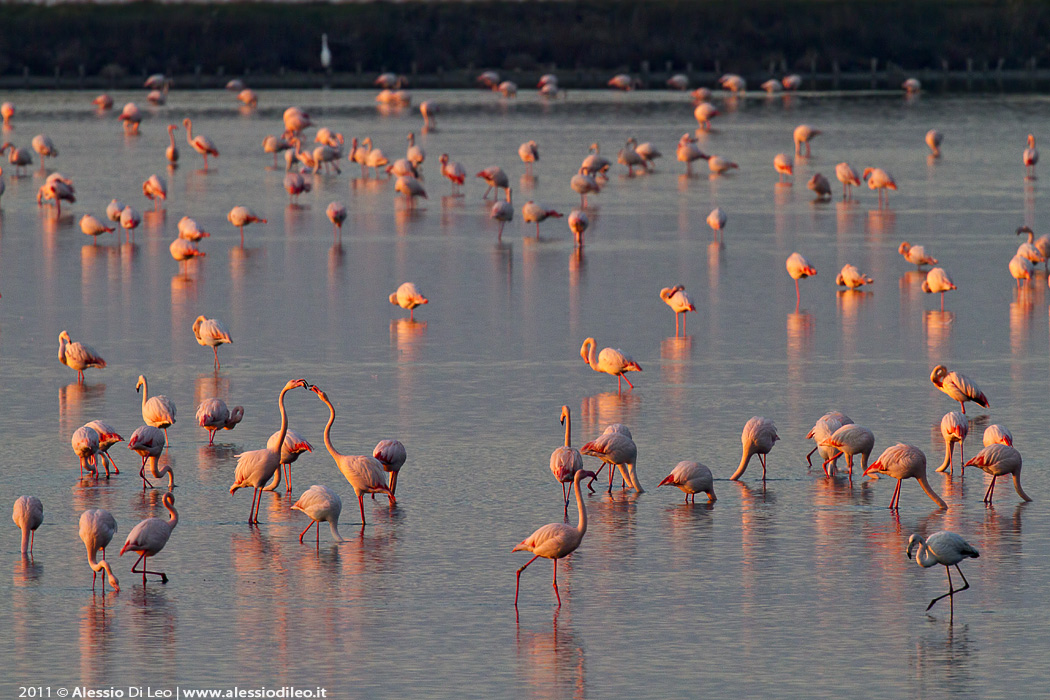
(795, 588)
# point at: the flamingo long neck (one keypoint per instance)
(947, 454)
(166, 469)
(97, 566)
(171, 135)
(284, 421)
(930, 492)
(1017, 485)
(581, 525)
(174, 519)
(568, 430)
(189, 131)
(328, 431)
(62, 349)
(749, 451)
(592, 353)
(925, 556)
(632, 476)
(145, 393)
(334, 526)
(26, 532)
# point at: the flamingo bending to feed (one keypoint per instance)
(107, 437)
(784, 165)
(86, 445)
(211, 332)
(820, 186)
(1030, 158)
(90, 226)
(997, 434)
(622, 81)
(848, 177)
(849, 440)
(172, 151)
(408, 297)
(938, 282)
(529, 153)
(495, 178)
(680, 302)
(852, 278)
(336, 213)
(44, 147)
(454, 172)
(648, 153)
(295, 184)
(792, 82)
(615, 447)
(916, 254)
(532, 212)
(758, 437)
(555, 540)
(578, 223)
(148, 442)
(275, 144)
(364, 473)
(429, 110)
(78, 356)
(214, 415)
(103, 102)
(158, 411)
(130, 118)
(610, 360)
(248, 98)
(911, 86)
(999, 460)
(958, 386)
(954, 429)
(502, 211)
(256, 467)
(294, 445)
(803, 134)
(566, 460)
(320, 504)
(149, 537)
(242, 216)
(945, 548)
(692, 478)
(392, 456)
(879, 179)
(799, 268)
(704, 113)
(905, 462)
(200, 143)
(772, 86)
(824, 428)
(584, 184)
(933, 141)
(97, 527)
(411, 188)
(28, 514)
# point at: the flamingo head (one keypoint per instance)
(186, 122)
(867, 172)
(138, 385)
(904, 247)
(317, 390)
(873, 467)
(564, 414)
(443, 159)
(1031, 141)
(1025, 229)
(668, 480)
(938, 374)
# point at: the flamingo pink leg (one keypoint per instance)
(361, 504)
(518, 584)
(555, 584)
(762, 459)
(312, 522)
(144, 571)
(991, 490)
(895, 501)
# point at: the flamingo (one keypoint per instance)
(183, 250)
(578, 223)
(320, 504)
(235, 85)
(507, 88)
(733, 82)
(103, 102)
(555, 540)
(717, 221)
(916, 254)
(758, 437)
(107, 437)
(629, 156)
(704, 113)
(997, 434)
(130, 220)
(86, 445)
(28, 514)
(200, 143)
(248, 98)
(533, 212)
(938, 282)
(624, 82)
(849, 440)
(391, 455)
(503, 212)
(453, 171)
(1021, 268)
(999, 460)
(19, 157)
(954, 428)
(933, 141)
(54, 190)
(488, 79)
(610, 360)
(295, 120)
(904, 462)
(374, 158)
(415, 154)
(172, 151)
(772, 86)
(820, 186)
(114, 209)
(364, 473)
(148, 442)
(648, 153)
(1030, 158)
(719, 165)
(402, 167)
(294, 445)
(945, 548)
(295, 184)
(411, 188)
(792, 82)
(784, 165)
(78, 356)
(529, 153)
(595, 163)
(189, 230)
(879, 179)
(958, 386)
(824, 428)
(566, 460)
(584, 184)
(849, 178)
(149, 537)
(336, 213)
(130, 118)
(256, 467)
(408, 297)
(678, 81)
(157, 411)
(155, 189)
(495, 178)
(1036, 250)
(97, 527)
(44, 147)
(701, 94)
(912, 86)
(799, 268)
(242, 216)
(275, 144)
(213, 415)
(429, 110)
(389, 80)
(852, 278)
(803, 134)
(155, 81)
(692, 478)
(680, 302)
(615, 447)
(90, 226)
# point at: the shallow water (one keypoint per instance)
(798, 587)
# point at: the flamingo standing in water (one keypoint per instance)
(78, 356)
(294, 445)
(155, 190)
(958, 386)
(495, 178)
(107, 437)
(758, 437)
(584, 184)
(1030, 158)
(610, 360)
(28, 514)
(392, 456)
(933, 142)
(320, 504)
(172, 151)
(999, 460)
(938, 282)
(717, 221)
(945, 548)
(503, 212)
(916, 254)
(130, 220)
(848, 177)
(1037, 250)
(704, 113)
(90, 226)
(1021, 268)
(905, 462)
(85, 445)
(578, 223)
(997, 434)
(7, 111)
(566, 460)
(784, 165)
(879, 179)
(556, 540)
(532, 212)
(148, 442)
(529, 153)
(411, 188)
(408, 297)
(130, 118)
(97, 527)
(200, 143)
(824, 428)
(364, 473)
(852, 278)
(149, 537)
(803, 134)
(211, 332)
(157, 411)
(680, 302)
(213, 415)
(242, 216)
(336, 213)
(615, 447)
(692, 478)
(849, 440)
(799, 268)
(954, 428)
(455, 173)
(256, 467)
(820, 186)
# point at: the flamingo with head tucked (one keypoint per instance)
(849, 178)
(680, 302)
(879, 179)
(958, 386)
(213, 415)
(78, 356)
(799, 268)
(938, 282)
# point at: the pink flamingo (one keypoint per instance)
(799, 268)
(958, 386)
(615, 447)
(107, 437)
(242, 216)
(149, 537)
(213, 415)
(692, 478)
(408, 297)
(28, 514)
(320, 504)
(904, 462)
(200, 143)
(392, 456)
(680, 302)
(78, 356)
(211, 332)
(294, 445)
(999, 460)
(566, 460)
(879, 179)
(97, 527)
(610, 360)
(85, 446)
(945, 548)
(758, 437)
(158, 411)
(954, 428)
(1030, 158)
(148, 442)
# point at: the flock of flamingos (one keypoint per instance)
(835, 435)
